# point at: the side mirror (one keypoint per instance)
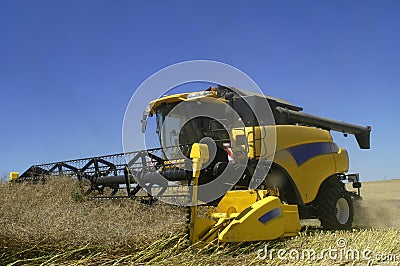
(353, 178)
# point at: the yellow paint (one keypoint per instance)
(248, 227)
(14, 176)
(180, 97)
(165, 100)
(308, 176)
(342, 161)
(200, 155)
(201, 230)
(244, 224)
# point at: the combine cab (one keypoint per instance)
(272, 170)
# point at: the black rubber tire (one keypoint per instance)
(334, 201)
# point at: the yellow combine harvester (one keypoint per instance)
(258, 172)
(306, 168)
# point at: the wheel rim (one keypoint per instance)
(342, 211)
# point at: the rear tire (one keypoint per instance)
(335, 207)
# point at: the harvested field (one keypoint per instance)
(53, 224)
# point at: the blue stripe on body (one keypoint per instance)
(305, 152)
(270, 215)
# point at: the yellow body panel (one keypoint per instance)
(180, 98)
(341, 160)
(265, 219)
(236, 201)
(14, 176)
(289, 135)
(247, 215)
(167, 99)
(307, 176)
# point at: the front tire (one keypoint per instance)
(335, 207)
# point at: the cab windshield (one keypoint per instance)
(185, 126)
(172, 129)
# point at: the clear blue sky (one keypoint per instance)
(69, 68)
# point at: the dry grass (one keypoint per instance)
(55, 215)
(52, 224)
